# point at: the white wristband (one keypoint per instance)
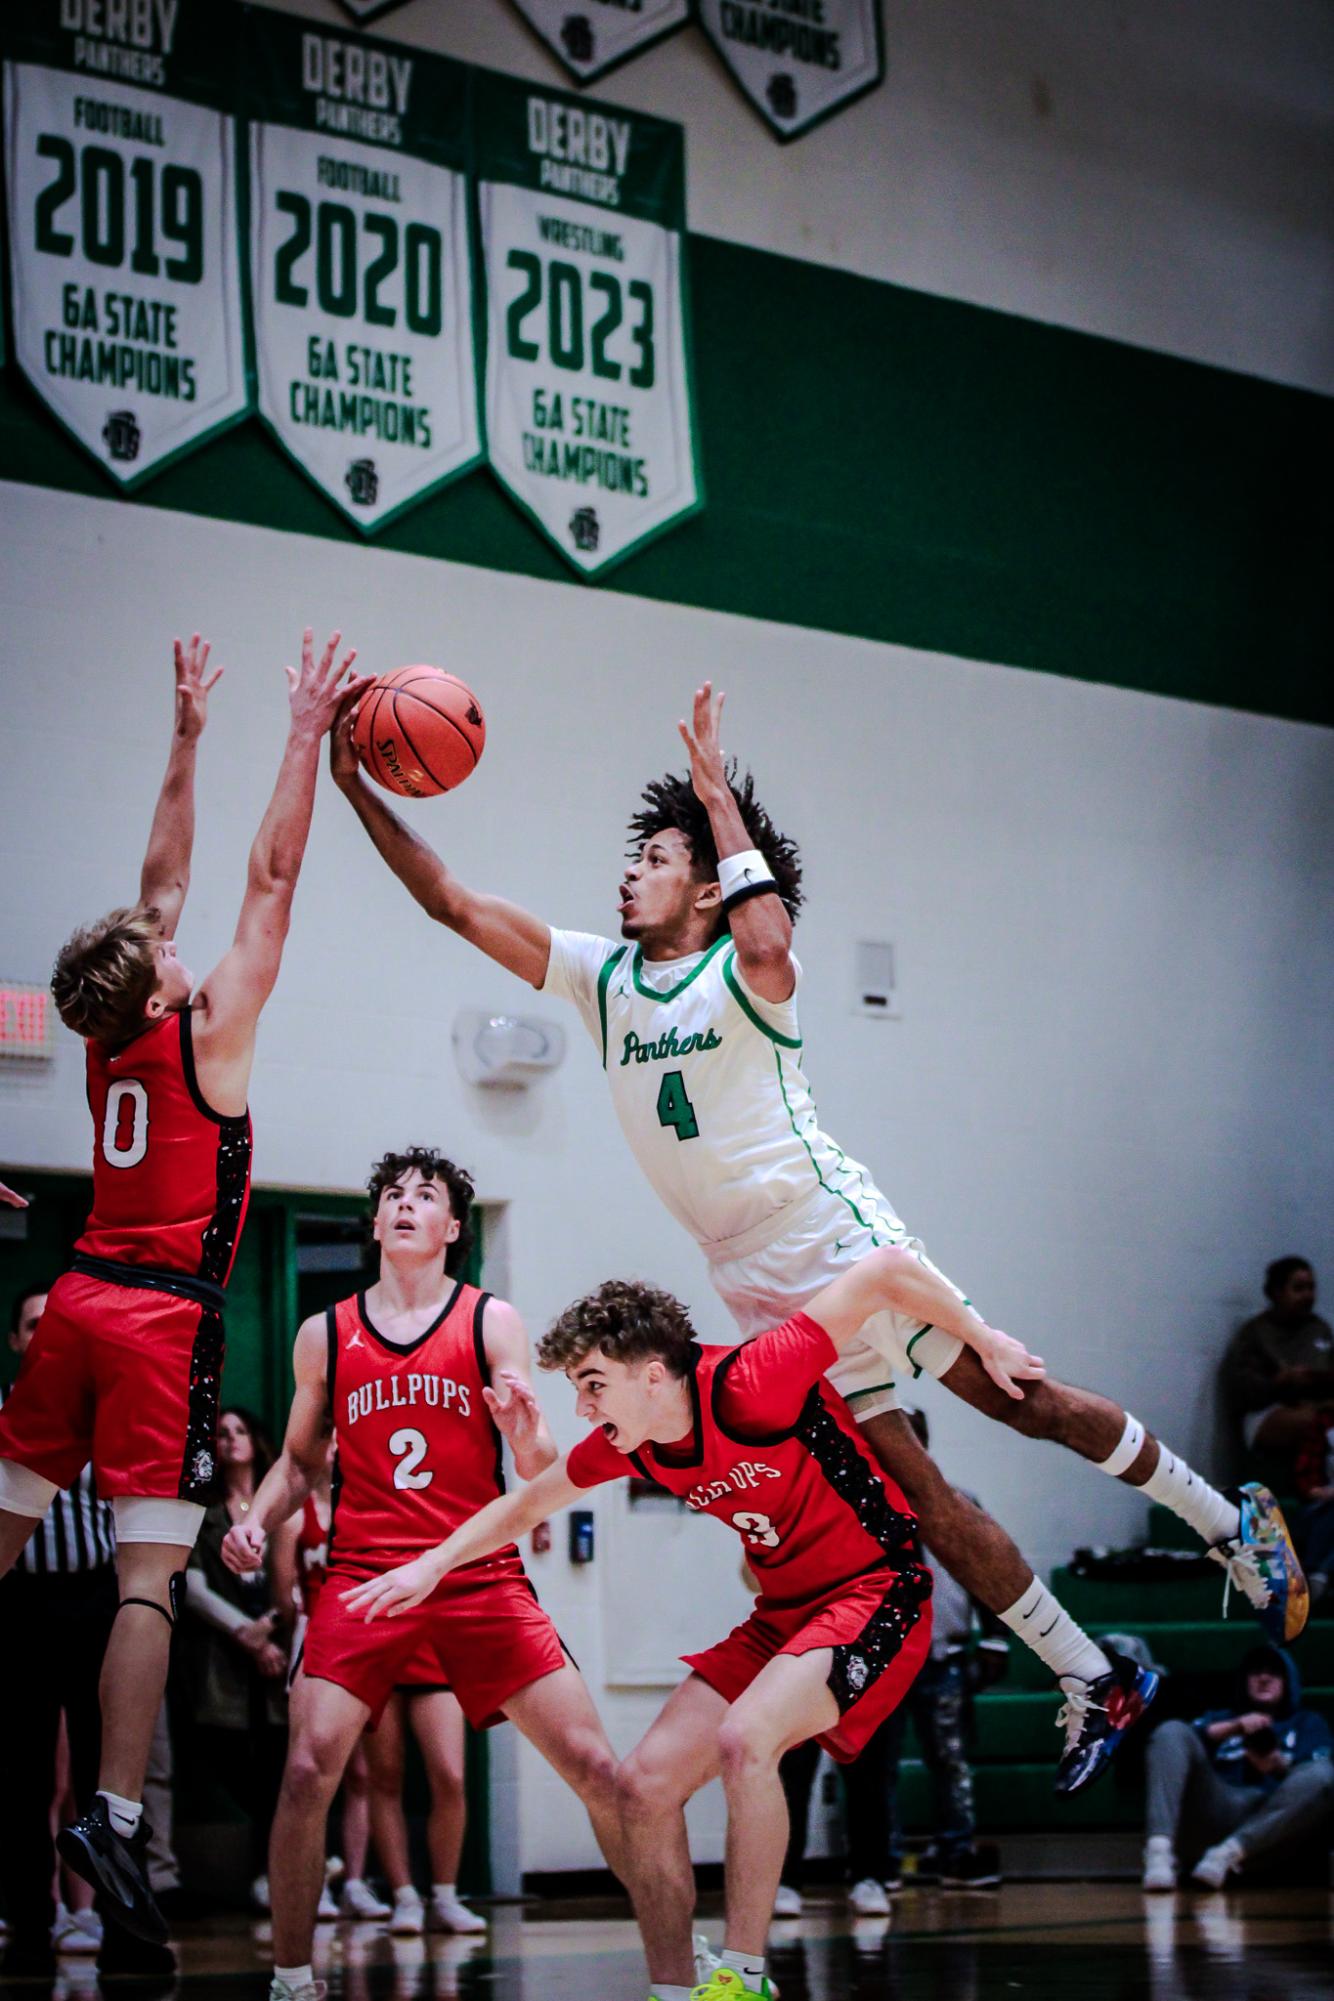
(742, 871)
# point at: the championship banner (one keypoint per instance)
(125, 261)
(367, 10)
(361, 269)
(591, 36)
(589, 420)
(798, 61)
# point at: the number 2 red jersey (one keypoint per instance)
(171, 1177)
(418, 1451)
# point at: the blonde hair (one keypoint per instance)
(106, 974)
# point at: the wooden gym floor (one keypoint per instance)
(1077, 1941)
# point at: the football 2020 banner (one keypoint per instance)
(589, 417)
(361, 285)
(798, 61)
(125, 261)
(592, 36)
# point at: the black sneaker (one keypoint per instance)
(971, 1868)
(116, 1867)
(146, 1970)
(1096, 1717)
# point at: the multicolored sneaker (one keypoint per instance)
(729, 1986)
(1262, 1563)
(1096, 1716)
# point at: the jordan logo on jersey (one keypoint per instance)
(746, 1473)
(666, 1046)
(354, 1339)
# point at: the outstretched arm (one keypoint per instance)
(502, 930)
(760, 926)
(512, 1402)
(165, 876)
(893, 1278)
(499, 1522)
(295, 1473)
(235, 991)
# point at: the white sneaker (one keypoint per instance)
(449, 1914)
(1160, 1864)
(360, 1901)
(788, 1903)
(1218, 1863)
(326, 1911)
(868, 1899)
(259, 1893)
(311, 1990)
(76, 1931)
(707, 1960)
(408, 1916)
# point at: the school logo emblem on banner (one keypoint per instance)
(589, 419)
(125, 262)
(367, 10)
(361, 268)
(592, 36)
(798, 61)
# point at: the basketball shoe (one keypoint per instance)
(117, 1867)
(1096, 1716)
(1262, 1564)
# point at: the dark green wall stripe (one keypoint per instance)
(900, 467)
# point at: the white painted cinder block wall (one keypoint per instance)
(1101, 1108)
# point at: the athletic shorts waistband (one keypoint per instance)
(792, 1215)
(147, 1278)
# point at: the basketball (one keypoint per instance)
(419, 731)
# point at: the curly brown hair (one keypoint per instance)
(431, 1166)
(673, 802)
(106, 974)
(628, 1320)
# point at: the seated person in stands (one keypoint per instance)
(1278, 1372)
(1242, 1778)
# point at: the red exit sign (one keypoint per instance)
(27, 1021)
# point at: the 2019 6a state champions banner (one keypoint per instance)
(361, 272)
(589, 416)
(798, 61)
(125, 261)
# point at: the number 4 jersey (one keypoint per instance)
(418, 1452)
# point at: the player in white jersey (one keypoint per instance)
(694, 1015)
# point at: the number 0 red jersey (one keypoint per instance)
(171, 1177)
(418, 1452)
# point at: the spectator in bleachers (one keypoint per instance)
(1278, 1372)
(1244, 1779)
(236, 1638)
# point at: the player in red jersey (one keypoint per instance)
(421, 1378)
(755, 1436)
(126, 1365)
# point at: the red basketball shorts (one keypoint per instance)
(126, 1378)
(488, 1635)
(879, 1627)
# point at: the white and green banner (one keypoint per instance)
(124, 246)
(592, 36)
(798, 61)
(589, 417)
(361, 286)
(367, 10)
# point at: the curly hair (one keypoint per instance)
(106, 974)
(431, 1166)
(627, 1320)
(673, 802)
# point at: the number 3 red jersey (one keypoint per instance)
(171, 1177)
(418, 1451)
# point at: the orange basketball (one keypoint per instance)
(419, 731)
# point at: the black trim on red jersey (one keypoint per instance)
(745, 1437)
(198, 1462)
(695, 1457)
(408, 1347)
(331, 1362)
(201, 1103)
(484, 1371)
(149, 1278)
(231, 1191)
(856, 1481)
(858, 1664)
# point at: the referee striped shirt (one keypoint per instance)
(76, 1533)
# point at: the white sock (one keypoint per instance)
(1208, 1512)
(748, 1964)
(124, 1815)
(407, 1893)
(446, 1891)
(295, 1976)
(1043, 1624)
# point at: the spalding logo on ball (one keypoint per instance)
(419, 731)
